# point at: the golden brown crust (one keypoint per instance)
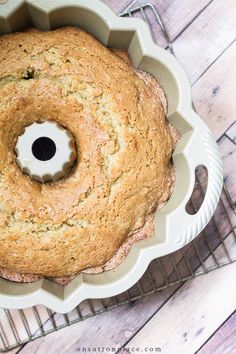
(143, 233)
(124, 147)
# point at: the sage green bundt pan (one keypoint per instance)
(174, 227)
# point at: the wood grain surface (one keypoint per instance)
(223, 341)
(198, 316)
(213, 93)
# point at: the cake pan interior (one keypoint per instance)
(133, 36)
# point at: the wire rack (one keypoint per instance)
(213, 248)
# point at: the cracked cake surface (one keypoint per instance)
(124, 143)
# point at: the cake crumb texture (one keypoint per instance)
(124, 146)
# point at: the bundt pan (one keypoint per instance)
(174, 226)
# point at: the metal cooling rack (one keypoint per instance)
(213, 248)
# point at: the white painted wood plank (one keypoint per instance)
(224, 340)
(214, 93)
(207, 37)
(178, 14)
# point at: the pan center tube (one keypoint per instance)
(45, 151)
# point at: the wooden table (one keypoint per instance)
(198, 316)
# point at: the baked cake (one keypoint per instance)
(88, 220)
